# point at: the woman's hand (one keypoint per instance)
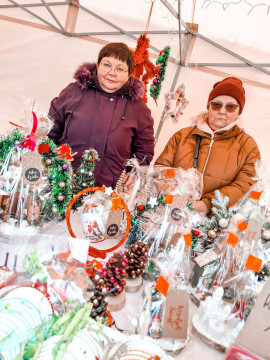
(200, 207)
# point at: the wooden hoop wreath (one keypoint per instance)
(96, 253)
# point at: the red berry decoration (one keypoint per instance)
(196, 232)
(140, 207)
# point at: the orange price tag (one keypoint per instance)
(109, 321)
(95, 264)
(168, 199)
(116, 203)
(255, 195)
(187, 238)
(162, 285)
(241, 226)
(232, 239)
(254, 263)
(170, 172)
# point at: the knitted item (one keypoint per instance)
(230, 86)
(137, 258)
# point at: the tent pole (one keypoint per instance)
(53, 15)
(153, 32)
(179, 28)
(36, 16)
(226, 64)
(32, 5)
(175, 79)
(231, 52)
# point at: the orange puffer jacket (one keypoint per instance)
(226, 158)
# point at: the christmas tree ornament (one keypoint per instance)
(155, 328)
(48, 161)
(180, 104)
(60, 197)
(62, 184)
(223, 223)
(137, 256)
(212, 234)
(196, 232)
(140, 207)
(152, 202)
(266, 234)
(108, 191)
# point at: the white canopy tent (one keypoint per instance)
(43, 42)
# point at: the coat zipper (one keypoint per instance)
(210, 147)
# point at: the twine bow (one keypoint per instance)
(30, 141)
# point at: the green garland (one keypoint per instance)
(7, 143)
(161, 62)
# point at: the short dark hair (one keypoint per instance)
(119, 51)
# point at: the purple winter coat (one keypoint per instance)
(117, 125)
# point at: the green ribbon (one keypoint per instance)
(32, 264)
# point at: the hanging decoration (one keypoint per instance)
(161, 63)
(180, 104)
(144, 68)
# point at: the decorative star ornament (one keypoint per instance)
(152, 202)
(108, 191)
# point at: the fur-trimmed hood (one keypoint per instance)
(86, 74)
(200, 120)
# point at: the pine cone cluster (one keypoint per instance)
(137, 256)
(114, 273)
(98, 298)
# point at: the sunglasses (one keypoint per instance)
(216, 106)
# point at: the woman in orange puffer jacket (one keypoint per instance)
(225, 153)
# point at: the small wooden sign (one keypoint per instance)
(255, 335)
(175, 324)
(32, 168)
(113, 224)
(253, 232)
(178, 205)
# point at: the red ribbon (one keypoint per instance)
(30, 141)
(44, 148)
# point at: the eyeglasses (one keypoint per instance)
(216, 106)
(108, 67)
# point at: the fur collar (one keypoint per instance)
(87, 73)
(200, 120)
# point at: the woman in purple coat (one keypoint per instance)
(103, 110)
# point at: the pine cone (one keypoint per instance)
(137, 256)
(114, 272)
(98, 299)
